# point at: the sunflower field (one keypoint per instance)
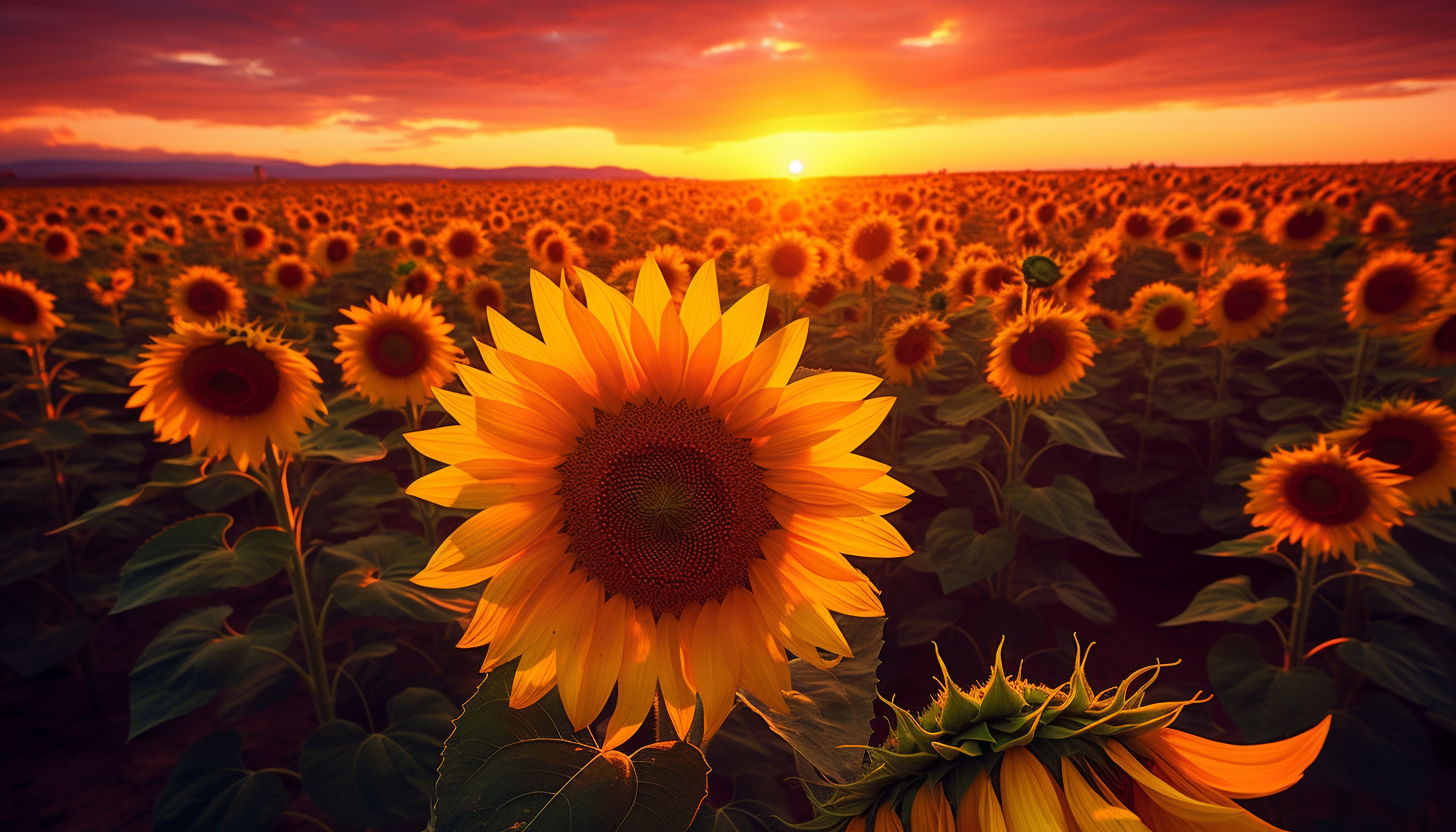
(733, 506)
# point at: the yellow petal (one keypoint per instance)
(764, 671)
(556, 330)
(742, 324)
(636, 680)
(487, 539)
(1029, 796)
(700, 307)
(715, 665)
(573, 642)
(450, 444)
(978, 810)
(829, 387)
(651, 296)
(457, 488)
(1239, 771)
(678, 698)
(513, 587)
(1092, 813)
(930, 810)
(511, 338)
(862, 537)
(1170, 799)
(535, 676)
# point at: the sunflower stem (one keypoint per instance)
(870, 305)
(1357, 373)
(414, 416)
(1142, 446)
(1304, 595)
(1215, 425)
(308, 623)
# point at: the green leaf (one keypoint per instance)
(1285, 408)
(30, 557)
(941, 449)
(735, 817)
(170, 473)
(1380, 748)
(1067, 507)
(211, 790)
(1265, 701)
(1399, 661)
(1256, 545)
(1376, 570)
(1414, 600)
(960, 555)
(193, 659)
(1071, 426)
(379, 581)
(548, 785)
(32, 647)
(192, 557)
(829, 709)
(384, 778)
(58, 435)
(969, 403)
(672, 782)
(1229, 599)
(1076, 590)
(1439, 522)
(336, 444)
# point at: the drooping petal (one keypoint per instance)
(1239, 771)
(475, 550)
(1029, 796)
(978, 809)
(1170, 799)
(1090, 810)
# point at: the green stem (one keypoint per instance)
(1357, 374)
(308, 625)
(1304, 595)
(1215, 425)
(426, 510)
(870, 305)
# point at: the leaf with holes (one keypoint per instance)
(193, 556)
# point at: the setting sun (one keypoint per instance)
(796, 167)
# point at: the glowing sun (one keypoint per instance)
(796, 167)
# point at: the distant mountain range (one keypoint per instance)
(187, 169)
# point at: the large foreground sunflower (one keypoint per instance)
(1326, 498)
(25, 311)
(659, 507)
(397, 350)
(1419, 438)
(230, 390)
(1038, 356)
(1012, 755)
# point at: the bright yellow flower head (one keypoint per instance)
(658, 504)
(397, 350)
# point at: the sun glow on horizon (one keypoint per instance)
(796, 167)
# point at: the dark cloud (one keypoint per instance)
(639, 69)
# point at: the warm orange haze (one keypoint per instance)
(728, 417)
(734, 90)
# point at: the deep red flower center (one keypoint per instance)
(290, 275)
(1169, 317)
(57, 243)
(1230, 218)
(1445, 338)
(231, 379)
(1390, 289)
(17, 306)
(555, 251)
(1410, 445)
(872, 242)
(1138, 225)
(664, 506)
(1040, 351)
(899, 272)
(789, 261)
(1327, 494)
(207, 298)
(396, 351)
(913, 346)
(1305, 224)
(337, 251)
(252, 237)
(822, 293)
(463, 245)
(1244, 300)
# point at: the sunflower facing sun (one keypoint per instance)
(1038, 356)
(396, 350)
(658, 504)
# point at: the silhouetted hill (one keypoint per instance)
(203, 169)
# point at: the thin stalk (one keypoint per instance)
(1304, 595)
(870, 305)
(308, 625)
(426, 510)
(1215, 425)
(1357, 373)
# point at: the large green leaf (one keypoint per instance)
(377, 779)
(211, 790)
(193, 659)
(961, 556)
(1067, 507)
(193, 556)
(830, 709)
(1229, 599)
(1071, 426)
(1076, 590)
(524, 769)
(970, 403)
(1267, 702)
(170, 473)
(941, 449)
(1399, 661)
(336, 444)
(378, 582)
(1379, 748)
(31, 647)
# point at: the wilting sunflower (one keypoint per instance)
(229, 390)
(291, 275)
(462, 243)
(1432, 341)
(1391, 291)
(481, 295)
(1306, 226)
(788, 262)
(396, 351)
(659, 505)
(25, 311)
(333, 252)
(1038, 356)
(59, 245)
(871, 243)
(1163, 313)
(1012, 754)
(1419, 438)
(108, 288)
(909, 347)
(1326, 498)
(1243, 305)
(204, 295)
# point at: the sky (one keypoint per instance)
(732, 90)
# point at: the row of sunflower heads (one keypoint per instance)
(1013, 755)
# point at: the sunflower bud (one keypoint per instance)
(1040, 271)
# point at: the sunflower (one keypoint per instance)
(1391, 291)
(290, 275)
(418, 246)
(390, 236)
(537, 234)
(1383, 222)
(333, 252)
(996, 275)
(788, 262)
(1094, 263)
(1038, 356)
(1432, 341)
(1419, 438)
(254, 239)
(719, 240)
(25, 311)
(396, 351)
(421, 280)
(462, 243)
(108, 288)
(482, 294)
(1163, 313)
(1013, 754)
(600, 234)
(1306, 226)
(1190, 255)
(903, 271)
(660, 507)
(871, 243)
(204, 295)
(557, 253)
(961, 284)
(1243, 305)
(1229, 216)
(1138, 226)
(672, 264)
(1326, 498)
(7, 226)
(499, 222)
(909, 347)
(240, 213)
(229, 390)
(59, 245)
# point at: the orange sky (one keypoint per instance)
(849, 88)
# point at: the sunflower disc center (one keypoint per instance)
(1244, 300)
(1169, 318)
(231, 379)
(1409, 445)
(206, 298)
(18, 307)
(1327, 494)
(396, 353)
(1040, 351)
(663, 506)
(1389, 290)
